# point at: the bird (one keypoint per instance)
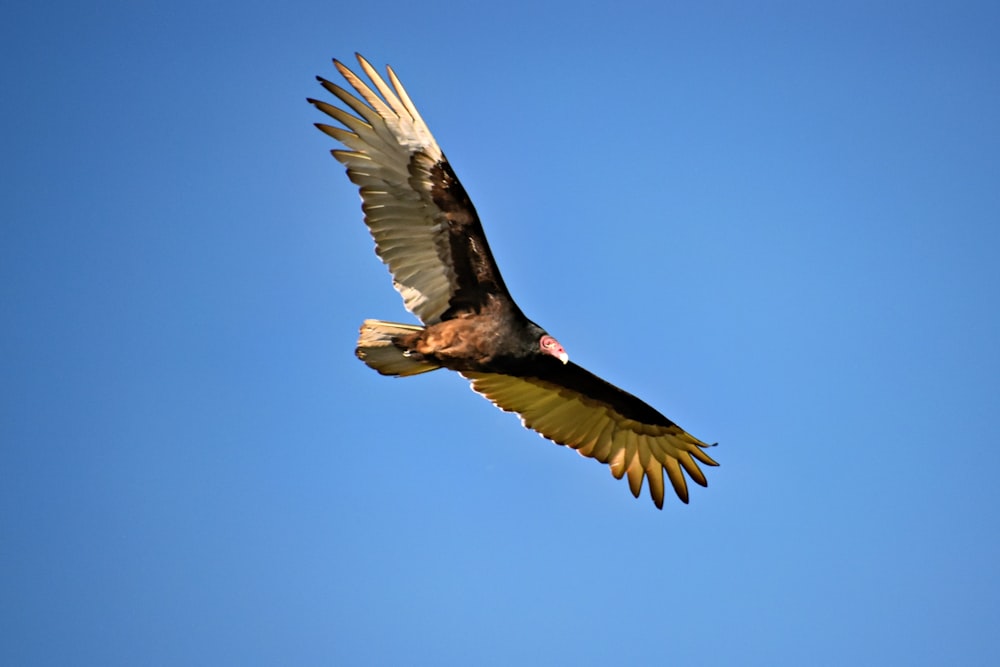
(426, 230)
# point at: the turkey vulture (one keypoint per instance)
(426, 230)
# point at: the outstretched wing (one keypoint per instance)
(424, 225)
(571, 406)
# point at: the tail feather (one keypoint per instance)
(377, 350)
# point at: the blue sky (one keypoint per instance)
(776, 222)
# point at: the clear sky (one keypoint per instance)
(777, 222)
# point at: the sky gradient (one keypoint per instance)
(778, 224)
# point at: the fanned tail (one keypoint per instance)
(377, 349)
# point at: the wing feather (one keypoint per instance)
(654, 477)
(585, 421)
(581, 411)
(604, 437)
(633, 462)
(410, 195)
(691, 468)
(676, 478)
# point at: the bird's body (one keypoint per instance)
(428, 233)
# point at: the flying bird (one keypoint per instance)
(428, 233)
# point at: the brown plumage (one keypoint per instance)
(428, 233)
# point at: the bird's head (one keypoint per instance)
(550, 345)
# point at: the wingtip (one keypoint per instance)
(361, 59)
(341, 67)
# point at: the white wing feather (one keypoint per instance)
(410, 231)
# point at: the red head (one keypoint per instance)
(550, 345)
